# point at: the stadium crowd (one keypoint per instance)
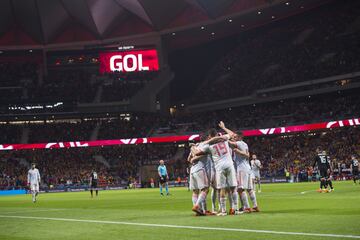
(72, 167)
(13, 77)
(124, 86)
(69, 85)
(300, 49)
(321, 108)
(273, 114)
(296, 153)
(115, 165)
(76, 85)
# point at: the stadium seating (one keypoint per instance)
(305, 47)
(124, 86)
(72, 167)
(74, 85)
(270, 114)
(300, 49)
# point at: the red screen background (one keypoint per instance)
(149, 57)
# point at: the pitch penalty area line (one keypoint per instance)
(184, 227)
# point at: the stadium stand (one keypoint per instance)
(20, 83)
(123, 86)
(303, 48)
(270, 114)
(71, 167)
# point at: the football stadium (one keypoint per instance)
(179, 119)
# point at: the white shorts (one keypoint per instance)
(225, 177)
(199, 180)
(256, 174)
(34, 187)
(244, 179)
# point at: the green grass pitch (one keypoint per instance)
(283, 209)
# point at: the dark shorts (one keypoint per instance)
(355, 172)
(94, 184)
(324, 173)
(163, 180)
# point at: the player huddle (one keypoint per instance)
(222, 162)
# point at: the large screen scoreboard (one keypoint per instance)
(129, 61)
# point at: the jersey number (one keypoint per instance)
(221, 149)
(322, 159)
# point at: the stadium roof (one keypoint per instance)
(55, 22)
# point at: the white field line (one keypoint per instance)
(35, 210)
(185, 227)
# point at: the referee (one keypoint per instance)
(163, 178)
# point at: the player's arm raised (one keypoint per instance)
(228, 131)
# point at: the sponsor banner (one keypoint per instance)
(175, 183)
(176, 139)
(279, 180)
(129, 61)
(99, 143)
(11, 192)
(76, 189)
(265, 180)
(302, 128)
(115, 188)
(54, 190)
(344, 170)
(273, 180)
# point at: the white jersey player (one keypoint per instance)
(224, 168)
(255, 167)
(199, 179)
(243, 170)
(33, 180)
(210, 172)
